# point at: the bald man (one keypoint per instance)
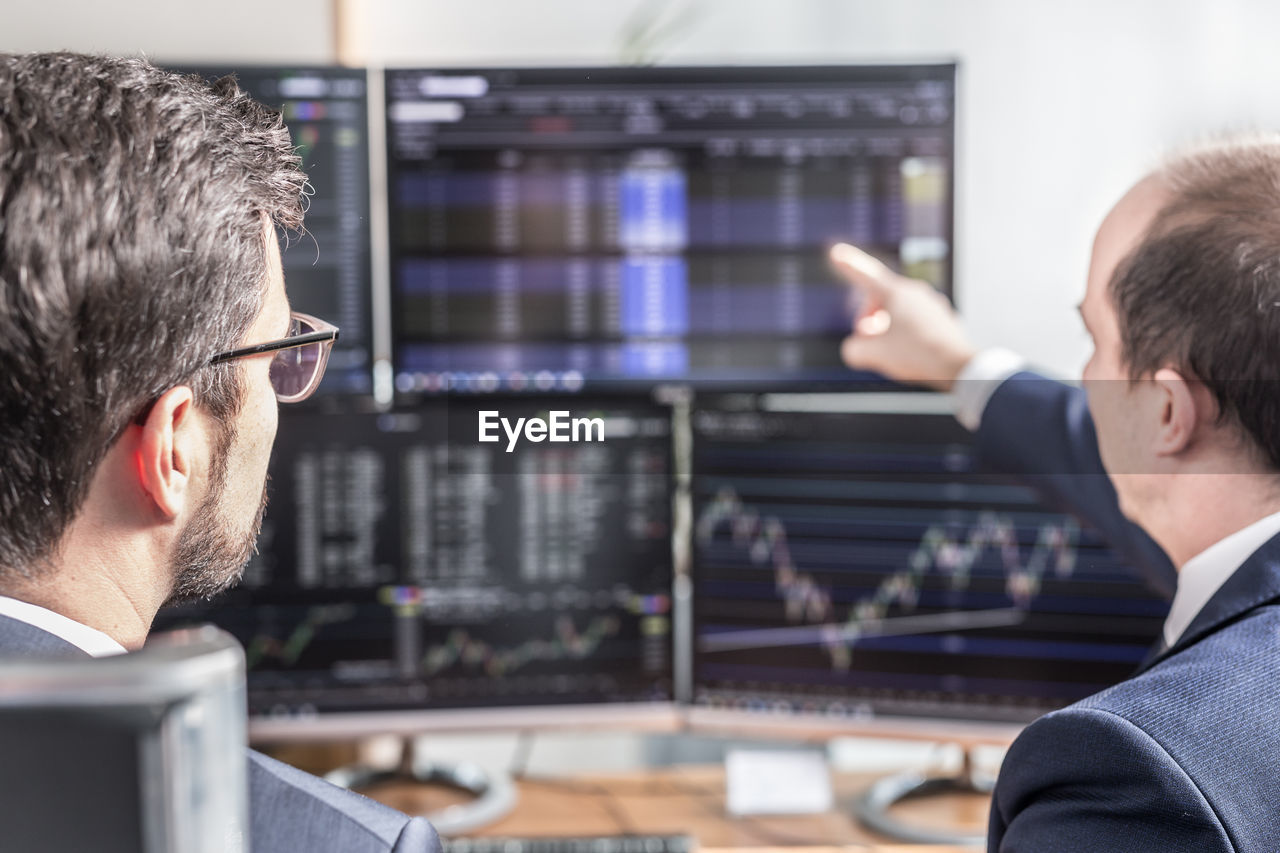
(1179, 410)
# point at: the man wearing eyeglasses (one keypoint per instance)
(145, 341)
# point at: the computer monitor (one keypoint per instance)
(328, 271)
(412, 577)
(568, 228)
(856, 567)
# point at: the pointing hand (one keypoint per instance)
(905, 330)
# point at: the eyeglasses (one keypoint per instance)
(300, 358)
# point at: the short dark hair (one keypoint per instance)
(1201, 291)
(132, 211)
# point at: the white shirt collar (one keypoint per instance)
(87, 639)
(977, 383)
(1206, 572)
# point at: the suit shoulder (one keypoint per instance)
(1220, 681)
(1087, 779)
(291, 810)
(1197, 734)
(1071, 735)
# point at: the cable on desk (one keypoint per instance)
(520, 760)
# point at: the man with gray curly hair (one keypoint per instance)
(145, 342)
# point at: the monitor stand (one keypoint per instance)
(872, 808)
(495, 793)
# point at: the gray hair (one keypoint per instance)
(132, 210)
(1201, 291)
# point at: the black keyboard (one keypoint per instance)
(579, 844)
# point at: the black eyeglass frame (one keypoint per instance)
(325, 334)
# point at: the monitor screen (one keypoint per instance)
(327, 270)
(855, 565)
(559, 229)
(406, 566)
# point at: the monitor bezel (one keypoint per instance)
(655, 717)
(818, 727)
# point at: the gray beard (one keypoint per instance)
(210, 558)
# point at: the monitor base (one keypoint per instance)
(872, 808)
(495, 794)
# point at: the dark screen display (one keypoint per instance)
(857, 564)
(560, 229)
(405, 565)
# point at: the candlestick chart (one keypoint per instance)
(468, 652)
(854, 563)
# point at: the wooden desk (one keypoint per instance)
(691, 800)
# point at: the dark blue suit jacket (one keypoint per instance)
(1183, 756)
(289, 811)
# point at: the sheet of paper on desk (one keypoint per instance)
(777, 782)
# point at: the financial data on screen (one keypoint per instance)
(854, 565)
(560, 229)
(404, 566)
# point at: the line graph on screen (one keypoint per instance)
(942, 552)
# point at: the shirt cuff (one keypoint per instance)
(978, 380)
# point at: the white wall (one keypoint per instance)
(261, 31)
(1064, 102)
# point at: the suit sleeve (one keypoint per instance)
(1086, 779)
(295, 812)
(418, 836)
(1041, 432)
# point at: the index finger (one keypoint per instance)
(861, 269)
(870, 279)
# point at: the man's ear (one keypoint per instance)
(1182, 410)
(165, 450)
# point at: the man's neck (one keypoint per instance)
(1199, 510)
(91, 601)
(107, 583)
(111, 567)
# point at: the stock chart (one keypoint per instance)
(854, 564)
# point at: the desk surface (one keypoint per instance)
(691, 800)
